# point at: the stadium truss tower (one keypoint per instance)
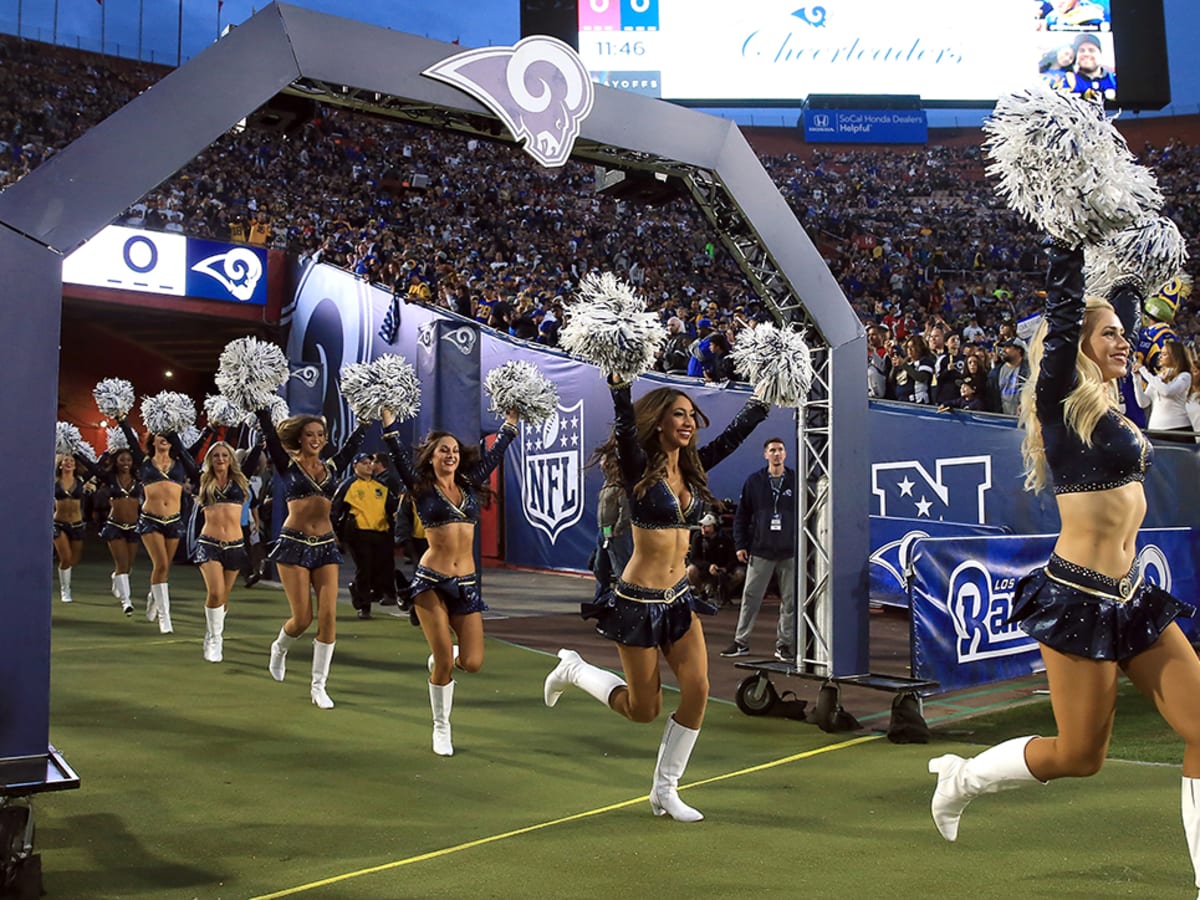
(55, 209)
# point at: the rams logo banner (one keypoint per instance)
(538, 88)
(962, 592)
(551, 473)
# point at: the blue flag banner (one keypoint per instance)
(892, 542)
(961, 595)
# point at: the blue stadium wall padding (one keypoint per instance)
(550, 493)
(962, 592)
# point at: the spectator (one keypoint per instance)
(764, 535)
(713, 567)
(1007, 377)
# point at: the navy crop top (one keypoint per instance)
(433, 506)
(61, 493)
(232, 492)
(183, 468)
(1119, 453)
(659, 507)
(298, 484)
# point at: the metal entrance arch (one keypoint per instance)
(77, 192)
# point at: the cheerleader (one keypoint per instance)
(649, 610)
(445, 482)
(68, 520)
(306, 551)
(220, 549)
(163, 468)
(120, 529)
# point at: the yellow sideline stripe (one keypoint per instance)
(457, 848)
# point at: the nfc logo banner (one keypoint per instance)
(618, 15)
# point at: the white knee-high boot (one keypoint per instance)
(162, 607)
(453, 657)
(572, 671)
(151, 605)
(1190, 804)
(999, 768)
(121, 589)
(673, 755)
(214, 619)
(322, 657)
(441, 701)
(64, 585)
(279, 650)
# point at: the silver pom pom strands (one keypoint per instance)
(522, 386)
(250, 371)
(387, 382)
(1061, 163)
(168, 411)
(219, 410)
(777, 361)
(1151, 253)
(189, 436)
(116, 440)
(610, 327)
(67, 439)
(277, 409)
(114, 397)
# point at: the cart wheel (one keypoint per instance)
(756, 695)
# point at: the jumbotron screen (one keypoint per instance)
(948, 52)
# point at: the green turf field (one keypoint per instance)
(214, 781)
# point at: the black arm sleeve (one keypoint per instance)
(479, 472)
(400, 458)
(630, 456)
(747, 419)
(280, 458)
(1064, 321)
(135, 448)
(185, 457)
(341, 459)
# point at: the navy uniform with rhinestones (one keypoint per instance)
(294, 547)
(645, 617)
(183, 468)
(460, 593)
(1063, 605)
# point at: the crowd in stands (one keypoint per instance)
(916, 237)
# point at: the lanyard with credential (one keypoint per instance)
(776, 484)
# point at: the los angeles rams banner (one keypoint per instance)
(892, 542)
(549, 493)
(962, 591)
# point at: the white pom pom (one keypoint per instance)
(522, 386)
(250, 371)
(67, 439)
(609, 326)
(168, 411)
(278, 409)
(219, 410)
(1152, 251)
(188, 436)
(1062, 164)
(116, 440)
(114, 397)
(87, 451)
(387, 382)
(778, 361)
